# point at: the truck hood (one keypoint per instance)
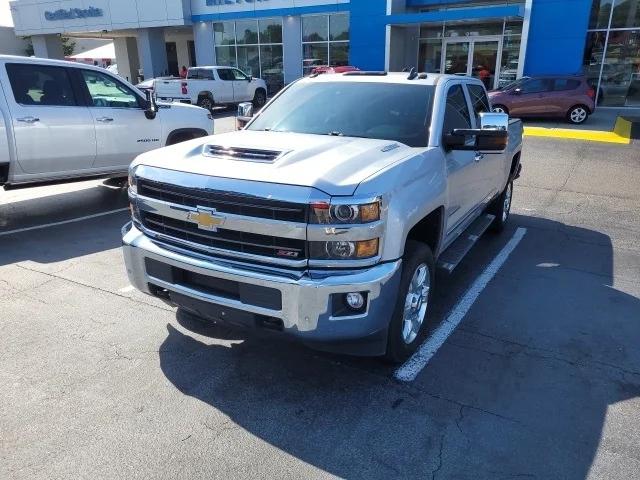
(335, 165)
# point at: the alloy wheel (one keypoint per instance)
(416, 302)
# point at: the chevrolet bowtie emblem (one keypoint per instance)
(206, 218)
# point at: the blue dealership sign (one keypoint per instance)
(73, 13)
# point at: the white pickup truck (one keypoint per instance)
(63, 120)
(326, 216)
(211, 86)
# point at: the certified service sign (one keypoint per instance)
(73, 13)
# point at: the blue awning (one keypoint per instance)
(471, 13)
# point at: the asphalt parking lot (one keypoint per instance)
(541, 378)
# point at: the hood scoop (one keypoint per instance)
(242, 154)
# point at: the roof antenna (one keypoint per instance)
(412, 74)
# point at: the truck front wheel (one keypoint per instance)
(260, 98)
(501, 208)
(408, 324)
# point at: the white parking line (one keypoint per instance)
(64, 222)
(410, 369)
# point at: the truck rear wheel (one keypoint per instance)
(206, 102)
(408, 324)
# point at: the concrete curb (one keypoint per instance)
(621, 133)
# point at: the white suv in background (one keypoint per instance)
(63, 120)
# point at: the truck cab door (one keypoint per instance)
(53, 129)
(491, 166)
(224, 86)
(462, 172)
(121, 128)
(241, 87)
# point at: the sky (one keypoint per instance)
(5, 14)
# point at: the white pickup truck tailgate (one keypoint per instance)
(170, 89)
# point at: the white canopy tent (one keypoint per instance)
(99, 54)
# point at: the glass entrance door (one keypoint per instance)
(477, 57)
(456, 58)
(485, 62)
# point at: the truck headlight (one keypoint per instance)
(133, 191)
(344, 250)
(133, 180)
(344, 214)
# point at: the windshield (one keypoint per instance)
(383, 111)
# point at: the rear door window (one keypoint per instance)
(562, 84)
(226, 74)
(479, 101)
(200, 74)
(41, 85)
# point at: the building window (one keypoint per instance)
(500, 54)
(612, 52)
(253, 46)
(325, 41)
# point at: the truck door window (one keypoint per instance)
(199, 74)
(479, 101)
(41, 85)
(238, 75)
(226, 74)
(106, 91)
(456, 113)
(538, 85)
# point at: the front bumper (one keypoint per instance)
(305, 311)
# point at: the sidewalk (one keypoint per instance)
(608, 125)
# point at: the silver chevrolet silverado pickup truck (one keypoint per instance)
(326, 216)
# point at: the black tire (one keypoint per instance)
(259, 98)
(501, 208)
(578, 114)
(399, 348)
(206, 102)
(500, 109)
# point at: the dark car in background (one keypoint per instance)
(569, 97)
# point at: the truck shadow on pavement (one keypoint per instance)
(522, 388)
(67, 241)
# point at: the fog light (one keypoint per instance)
(354, 300)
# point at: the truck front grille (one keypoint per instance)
(228, 240)
(224, 202)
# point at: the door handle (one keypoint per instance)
(478, 156)
(28, 119)
(104, 120)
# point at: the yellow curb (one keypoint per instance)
(621, 133)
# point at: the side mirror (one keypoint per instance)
(152, 108)
(250, 78)
(245, 113)
(494, 121)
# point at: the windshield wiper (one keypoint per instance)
(335, 134)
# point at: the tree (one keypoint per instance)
(68, 46)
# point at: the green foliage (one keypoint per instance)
(68, 46)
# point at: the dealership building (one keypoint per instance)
(281, 40)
